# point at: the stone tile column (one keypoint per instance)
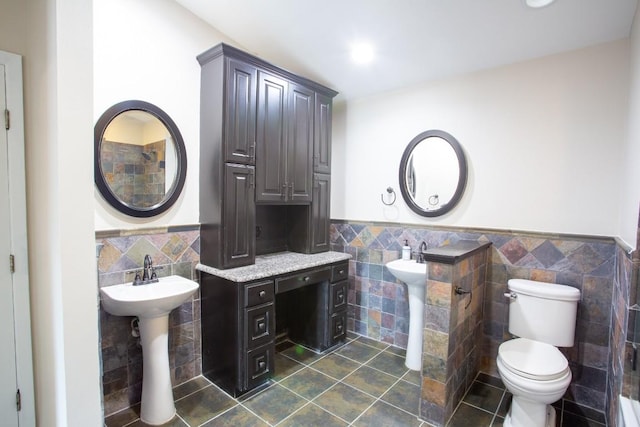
(453, 326)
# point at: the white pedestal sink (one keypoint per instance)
(152, 304)
(414, 275)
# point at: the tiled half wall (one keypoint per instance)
(452, 333)
(378, 305)
(120, 256)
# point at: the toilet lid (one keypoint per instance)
(533, 359)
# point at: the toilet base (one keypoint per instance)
(548, 421)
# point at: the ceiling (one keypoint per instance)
(415, 41)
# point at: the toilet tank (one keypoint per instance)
(544, 312)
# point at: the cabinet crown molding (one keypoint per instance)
(227, 50)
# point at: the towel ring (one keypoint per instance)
(389, 191)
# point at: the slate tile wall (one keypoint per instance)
(378, 305)
(622, 379)
(121, 254)
(452, 334)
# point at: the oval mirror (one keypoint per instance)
(140, 158)
(433, 173)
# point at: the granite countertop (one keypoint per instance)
(275, 264)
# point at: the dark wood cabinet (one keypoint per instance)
(239, 216)
(227, 155)
(240, 117)
(228, 217)
(319, 220)
(239, 325)
(322, 134)
(300, 143)
(272, 184)
(238, 332)
(284, 140)
(263, 130)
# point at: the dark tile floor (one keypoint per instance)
(362, 383)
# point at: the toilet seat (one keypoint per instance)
(532, 359)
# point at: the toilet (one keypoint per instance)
(543, 317)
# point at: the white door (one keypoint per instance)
(8, 375)
(16, 366)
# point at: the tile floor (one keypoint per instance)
(362, 383)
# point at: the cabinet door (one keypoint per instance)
(240, 114)
(319, 221)
(337, 328)
(300, 144)
(259, 365)
(322, 135)
(239, 216)
(271, 184)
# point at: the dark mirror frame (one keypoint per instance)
(181, 154)
(462, 177)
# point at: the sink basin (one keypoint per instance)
(152, 303)
(152, 300)
(415, 276)
(410, 272)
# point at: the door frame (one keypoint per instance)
(19, 246)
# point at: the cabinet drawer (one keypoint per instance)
(259, 325)
(340, 272)
(259, 365)
(303, 279)
(338, 330)
(338, 296)
(258, 293)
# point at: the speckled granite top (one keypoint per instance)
(274, 265)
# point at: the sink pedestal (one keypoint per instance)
(157, 405)
(413, 359)
(415, 276)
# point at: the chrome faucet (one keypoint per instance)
(421, 251)
(148, 273)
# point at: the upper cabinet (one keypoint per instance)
(322, 134)
(270, 127)
(284, 141)
(240, 118)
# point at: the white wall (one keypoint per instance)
(543, 141)
(54, 37)
(146, 50)
(630, 195)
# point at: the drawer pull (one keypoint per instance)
(306, 278)
(262, 294)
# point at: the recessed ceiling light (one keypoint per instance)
(536, 4)
(362, 53)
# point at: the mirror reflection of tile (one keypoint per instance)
(135, 173)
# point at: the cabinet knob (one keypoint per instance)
(261, 326)
(261, 365)
(339, 328)
(262, 294)
(306, 278)
(341, 272)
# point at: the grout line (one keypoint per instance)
(193, 392)
(311, 403)
(378, 399)
(495, 414)
(256, 415)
